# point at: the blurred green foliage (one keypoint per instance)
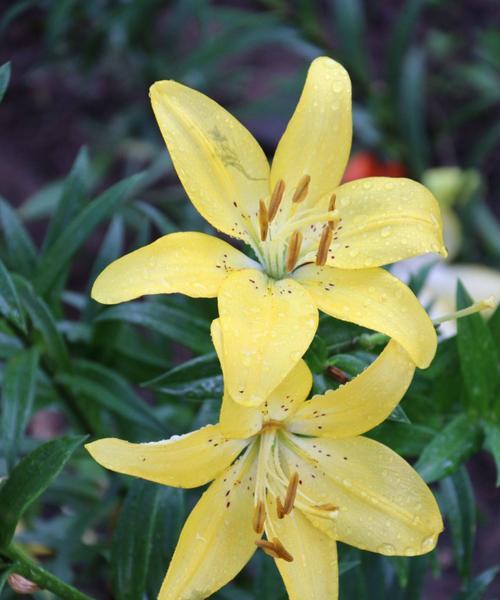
(146, 370)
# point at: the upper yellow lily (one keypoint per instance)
(297, 470)
(319, 244)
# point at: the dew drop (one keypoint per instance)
(386, 232)
(387, 549)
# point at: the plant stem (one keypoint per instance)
(45, 580)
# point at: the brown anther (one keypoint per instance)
(324, 245)
(331, 207)
(276, 198)
(259, 517)
(333, 200)
(280, 510)
(267, 547)
(338, 374)
(301, 189)
(293, 250)
(282, 551)
(21, 585)
(263, 220)
(328, 507)
(274, 549)
(291, 493)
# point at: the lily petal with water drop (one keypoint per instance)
(319, 244)
(297, 471)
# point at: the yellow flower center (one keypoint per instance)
(292, 234)
(284, 489)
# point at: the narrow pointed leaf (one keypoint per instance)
(478, 356)
(29, 479)
(492, 443)
(44, 322)
(18, 248)
(170, 321)
(57, 257)
(132, 542)
(458, 505)
(10, 307)
(18, 392)
(449, 449)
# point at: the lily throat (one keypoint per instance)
(289, 230)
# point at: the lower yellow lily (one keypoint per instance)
(296, 470)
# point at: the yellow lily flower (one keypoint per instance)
(319, 244)
(296, 470)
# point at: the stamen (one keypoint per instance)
(293, 250)
(274, 549)
(263, 220)
(280, 511)
(301, 189)
(282, 551)
(331, 207)
(465, 312)
(291, 493)
(276, 198)
(324, 245)
(331, 508)
(338, 374)
(259, 517)
(267, 547)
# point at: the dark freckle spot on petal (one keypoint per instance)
(228, 492)
(345, 457)
(228, 504)
(143, 459)
(320, 427)
(329, 455)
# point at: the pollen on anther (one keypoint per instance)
(276, 198)
(301, 190)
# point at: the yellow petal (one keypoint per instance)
(361, 404)
(217, 539)
(375, 299)
(383, 220)
(191, 263)
(383, 504)
(184, 461)
(313, 573)
(238, 421)
(221, 166)
(266, 326)
(317, 140)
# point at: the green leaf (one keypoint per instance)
(29, 479)
(57, 257)
(476, 588)
(19, 251)
(73, 194)
(4, 79)
(349, 24)
(403, 438)
(111, 391)
(132, 541)
(18, 392)
(457, 503)
(494, 325)
(399, 415)
(478, 356)
(43, 322)
(449, 449)
(196, 379)
(172, 322)
(316, 355)
(10, 307)
(412, 110)
(492, 443)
